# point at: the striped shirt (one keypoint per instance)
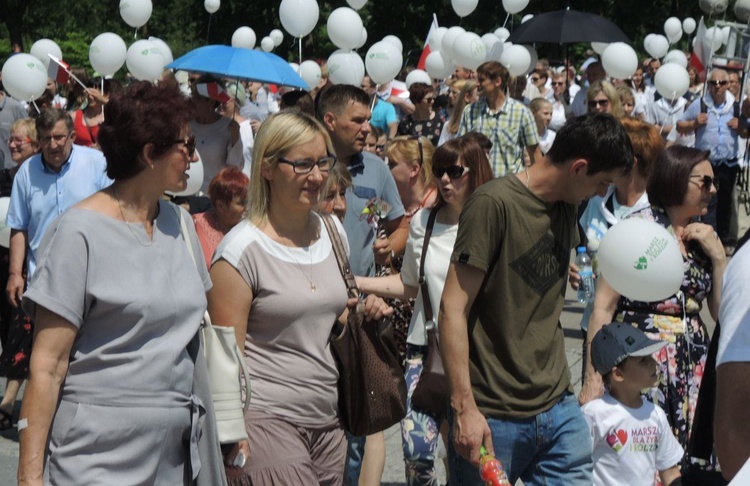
(510, 130)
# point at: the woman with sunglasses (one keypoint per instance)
(602, 97)
(679, 188)
(460, 166)
(560, 102)
(277, 282)
(116, 391)
(424, 121)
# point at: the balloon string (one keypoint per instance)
(300, 50)
(208, 31)
(39, 112)
(135, 33)
(372, 103)
(507, 16)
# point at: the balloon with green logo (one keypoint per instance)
(641, 260)
(24, 77)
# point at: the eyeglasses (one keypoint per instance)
(716, 83)
(558, 83)
(706, 181)
(453, 171)
(189, 144)
(306, 166)
(45, 139)
(18, 141)
(535, 79)
(595, 103)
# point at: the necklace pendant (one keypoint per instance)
(313, 288)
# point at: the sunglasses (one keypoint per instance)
(189, 144)
(453, 171)
(306, 166)
(558, 83)
(716, 84)
(595, 103)
(706, 181)
(535, 79)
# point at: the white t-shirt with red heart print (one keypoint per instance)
(630, 445)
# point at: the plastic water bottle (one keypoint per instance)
(491, 470)
(586, 272)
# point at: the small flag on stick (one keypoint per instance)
(213, 91)
(60, 71)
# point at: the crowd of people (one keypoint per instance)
(483, 185)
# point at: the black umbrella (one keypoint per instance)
(567, 26)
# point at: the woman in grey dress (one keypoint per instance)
(116, 387)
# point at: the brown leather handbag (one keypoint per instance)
(431, 393)
(371, 386)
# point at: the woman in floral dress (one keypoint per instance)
(679, 190)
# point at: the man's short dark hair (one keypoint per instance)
(47, 120)
(335, 99)
(598, 138)
(494, 70)
(670, 176)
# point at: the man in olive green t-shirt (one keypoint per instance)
(500, 333)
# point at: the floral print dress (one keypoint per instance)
(676, 320)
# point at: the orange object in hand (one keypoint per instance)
(491, 470)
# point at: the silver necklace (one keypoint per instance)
(116, 195)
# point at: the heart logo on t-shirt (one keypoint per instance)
(616, 439)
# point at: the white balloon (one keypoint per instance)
(599, 47)
(163, 49)
(395, 41)
(742, 10)
(672, 81)
(714, 37)
(107, 53)
(144, 60)
(195, 178)
(446, 45)
(641, 260)
(244, 37)
(673, 39)
(24, 77)
(725, 31)
(436, 38)
(136, 13)
(464, 7)
(527, 17)
(345, 67)
(294, 66)
(42, 47)
(309, 71)
(647, 41)
(619, 60)
(299, 17)
(514, 6)
(362, 39)
(658, 46)
(437, 67)
(267, 44)
(713, 6)
(502, 33)
(676, 56)
(278, 37)
(356, 4)
(688, 25)
(417, 76)
(534, 57)
(469, 51)
(672, 26)
(383, 62)
(494, 47)
(212, 6)
(345, 28)
(516, 59)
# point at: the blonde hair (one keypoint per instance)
(610, 92)
(278, 134)
(408, 149)
(539, 103)
(30, 125)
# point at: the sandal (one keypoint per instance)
(6, 420)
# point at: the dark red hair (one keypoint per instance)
(227, 184)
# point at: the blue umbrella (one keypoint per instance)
(240, 63)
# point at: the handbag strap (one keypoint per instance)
(340, 252)
(426, 304)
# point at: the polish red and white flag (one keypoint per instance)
(213, 91)
(58, 70)
(426, 51)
